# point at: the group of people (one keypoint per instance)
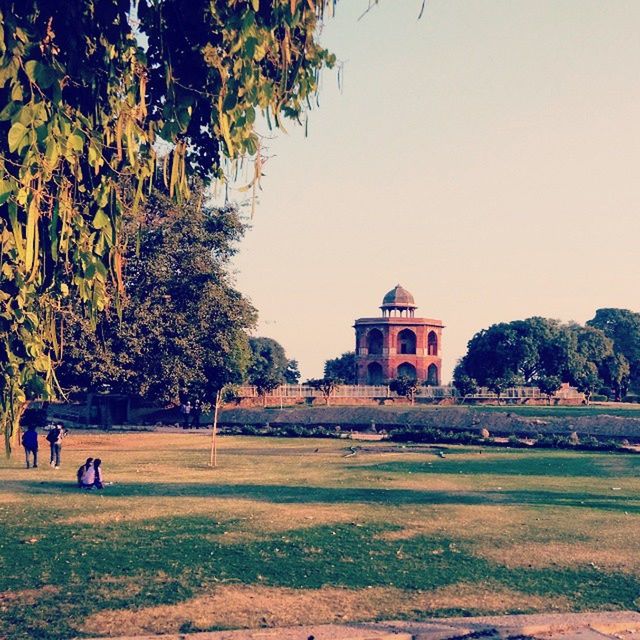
(191, 412)
(90, 474)
(54, 437)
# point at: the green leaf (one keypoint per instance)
(16, 134)
(30, 69)
(5, 190)
(100, 220)
(45, 76)
(75, 142)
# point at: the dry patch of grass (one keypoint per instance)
(566, 554)
(241, 606)
(469, 521)
(26, 596)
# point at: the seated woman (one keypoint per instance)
(88, 476)
(82, 469)
(97, 469)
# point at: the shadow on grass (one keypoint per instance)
(347, 495)
(521, 464)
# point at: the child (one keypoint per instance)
(82, 469)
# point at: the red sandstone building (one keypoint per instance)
(398, 343)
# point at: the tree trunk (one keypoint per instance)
(213, 460)
(12, 408)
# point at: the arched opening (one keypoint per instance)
(374, 373)
(406, 341)
(432, 374)
(407, 370)
(374, 342)
(432, 344)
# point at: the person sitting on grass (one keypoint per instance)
(88, 475)
(82, 469)
(97, 468)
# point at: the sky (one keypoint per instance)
(486, 157)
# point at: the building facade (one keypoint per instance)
(398, 343)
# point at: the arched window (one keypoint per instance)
(408, 370)
(374, 373)
(406, 341)
(432, 374)
(374, 342)
(432, 344)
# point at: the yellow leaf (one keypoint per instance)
(224, 128)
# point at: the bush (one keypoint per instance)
(631, 397)
(598, 397)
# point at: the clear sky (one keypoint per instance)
(486, 157)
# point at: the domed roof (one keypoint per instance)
(398, 298)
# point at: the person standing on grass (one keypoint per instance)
(196, 412)
(30, 444)
(54, 438)
(186, 413)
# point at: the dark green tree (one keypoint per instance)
(269, 367)
(325, 385)
(292, 372)
(548, 385)
(622, 326)
(405, 386)
(343, 367)
(464, 384)
(181, 319)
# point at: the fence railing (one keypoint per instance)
(286, 391)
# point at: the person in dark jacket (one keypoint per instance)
(30, 444)
(196, 412)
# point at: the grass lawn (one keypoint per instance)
(564, 411)
(291, 531)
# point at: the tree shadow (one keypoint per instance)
(291, 494)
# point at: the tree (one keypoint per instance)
(623, 328)
(292, 372)
(181, 321)
(587, 379)
(500, 384)
(616, 372)
(326, 385)
(549, 385)
(465, 384)
(342, 367)
(405, 386)
(87, 91)
(269, 366)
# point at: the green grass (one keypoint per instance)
(569, 411)
(299, 515)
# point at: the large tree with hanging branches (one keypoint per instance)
(88, 90)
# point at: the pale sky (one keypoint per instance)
(486, 157)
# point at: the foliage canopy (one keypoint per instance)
(87, 91)
(182, 324)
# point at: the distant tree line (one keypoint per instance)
(603, 356)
